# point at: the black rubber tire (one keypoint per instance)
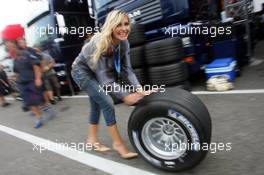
(169, 74)
(164, 51)
(137, 35)
(141, 75)
(137, 57)
(186, 110)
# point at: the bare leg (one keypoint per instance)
(58, 92)
(93, 139)
(92, 133)
(118, 143)
(50, 95)
(57, 87)
(36, 111)
(46, 97)
(2, 100)
(14, 95)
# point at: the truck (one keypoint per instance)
(60, 28)
(160, 19)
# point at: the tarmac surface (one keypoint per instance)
(237, 119)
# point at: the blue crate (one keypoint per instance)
(222, 66)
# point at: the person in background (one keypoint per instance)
(4, 87)
(49, 76)
(23, 45)
(21, 42)
(258, 24)
(8, 63)
(27, 68)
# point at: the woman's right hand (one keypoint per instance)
(132, 98)
(148, 92)
(136, 96)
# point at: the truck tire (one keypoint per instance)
(164, 51)
(169, 74)
(137, 35)
(137, 57)
(141, 75)
(162, 122)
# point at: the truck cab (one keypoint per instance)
(157, 16)
(61, 28)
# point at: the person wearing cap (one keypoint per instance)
(21, 42)
(27, 68)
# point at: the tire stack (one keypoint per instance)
(159, 62)
(137, 40)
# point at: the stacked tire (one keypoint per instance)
(164, 60)
(159, 62)
(137, 40)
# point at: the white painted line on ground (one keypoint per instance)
(249, 91)
(91, 160)
(64, 97)
(255, 62)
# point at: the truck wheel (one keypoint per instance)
(164, 51)
(169, 74)
(137, 36)
(167, 129)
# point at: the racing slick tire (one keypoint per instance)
(168, 129)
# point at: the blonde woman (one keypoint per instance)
(100, 63)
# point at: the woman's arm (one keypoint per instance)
(107, 78)
(36, 64)
(37, 72)
(127, 68)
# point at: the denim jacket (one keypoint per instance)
(105, 71)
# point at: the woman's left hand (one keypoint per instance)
(145, 93)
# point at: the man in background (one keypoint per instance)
(49, 76)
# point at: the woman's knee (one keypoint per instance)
(107, 103)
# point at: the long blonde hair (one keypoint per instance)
(104, 37)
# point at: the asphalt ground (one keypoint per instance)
(237, 119)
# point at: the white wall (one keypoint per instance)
(20, 11)
(258, 5)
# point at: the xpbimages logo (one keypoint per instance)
(64, 146)
(115, 88)
(212, 31)
(212, 147)
(50, 30)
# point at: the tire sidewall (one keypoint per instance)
(157, 109)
